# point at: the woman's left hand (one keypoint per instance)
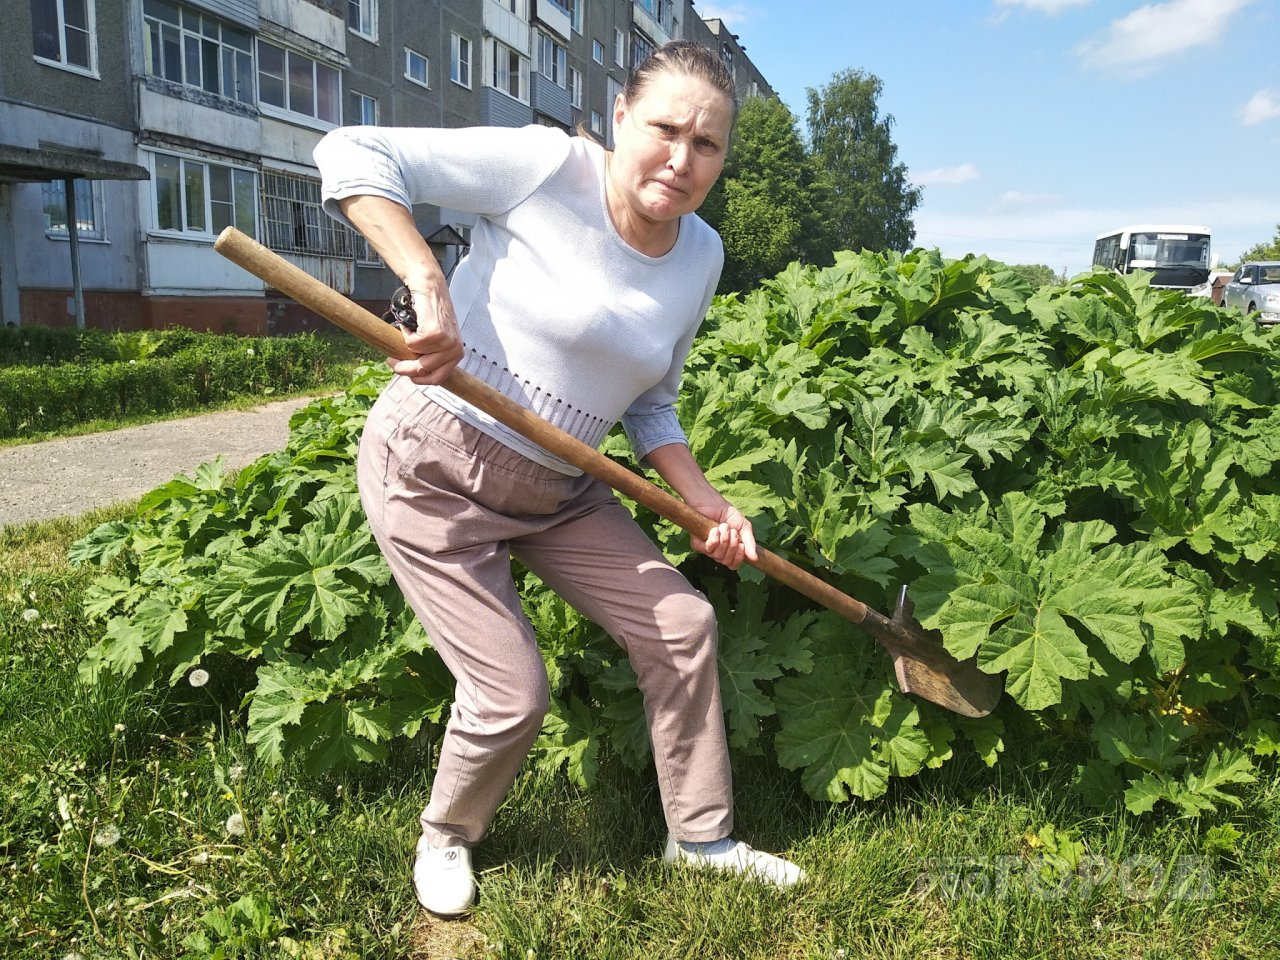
(731, 541)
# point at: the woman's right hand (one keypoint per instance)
(436, 341)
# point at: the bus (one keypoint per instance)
(1176, 255)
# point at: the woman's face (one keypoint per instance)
(669, 146)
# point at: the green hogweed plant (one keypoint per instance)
(1080, 484)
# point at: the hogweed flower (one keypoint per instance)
(198, 677)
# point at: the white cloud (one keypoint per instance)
(1051, 7)
(1158, 30)
(1062, 235)
(1263, 105)
(946, 176)
(735, 15)
(1013, 199)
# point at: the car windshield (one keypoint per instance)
(1169, 249)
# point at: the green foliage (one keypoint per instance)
(63, 378)
(1080, 484)
(1268, 250)
(870, 202)
(1037, 274)
(767, 203)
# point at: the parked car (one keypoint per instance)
(1255, 288)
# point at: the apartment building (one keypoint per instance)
(133, 131)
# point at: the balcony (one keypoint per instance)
(553, 16)
(499, 110)
(651, 26)
(501, 23)
(550, 99)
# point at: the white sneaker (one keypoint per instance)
(443, 880)
(737, 857)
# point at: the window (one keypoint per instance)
(575, 88)
(415, 67)
(362, 18)
(660, 10)
(509, 72)
(198, 197)
(641, 48)
(297, 84)
(192, 48)
(518, 7)
(366, 256)
(619, 48)
(726, 56)
(551, 60)
(293, 221)
(88, 196)
(597, 52)
(597, 123)
(575, 8)
(361, 109)
(62, 33)
(460, 60)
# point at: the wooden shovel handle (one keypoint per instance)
(334, 307)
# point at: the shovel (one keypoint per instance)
(921, 663)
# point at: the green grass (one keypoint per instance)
(321, 869)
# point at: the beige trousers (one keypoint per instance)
(449, 506)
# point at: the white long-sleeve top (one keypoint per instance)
(555, 309)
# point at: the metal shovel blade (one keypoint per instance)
(925, 668)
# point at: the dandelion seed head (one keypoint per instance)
(250, 352)
(108, 836)
(235, 825)
(201, 858)
(119, 728)
(236, 772)
(198, 677)
(30, 614)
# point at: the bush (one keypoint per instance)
(1079, 484)
(91, 375)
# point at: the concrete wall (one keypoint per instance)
(121, 114)
(106, 98)
(41, 261)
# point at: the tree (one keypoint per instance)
(1263, 251)
(870, 203)
(765, 205)
(1037, 274)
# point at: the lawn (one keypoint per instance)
(139, 824)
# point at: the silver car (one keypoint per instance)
(1255, 288)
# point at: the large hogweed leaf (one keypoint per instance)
(1031, 609)
(843, 724)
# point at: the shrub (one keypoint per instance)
(1080, 485)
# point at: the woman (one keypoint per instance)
(586, 281)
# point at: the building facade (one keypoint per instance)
(160, 122)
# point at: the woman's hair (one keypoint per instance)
(679, 56)
(682, 56)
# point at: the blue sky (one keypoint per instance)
(1035, 125)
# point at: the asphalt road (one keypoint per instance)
(68, 477)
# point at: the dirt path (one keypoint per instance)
(68, 477)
